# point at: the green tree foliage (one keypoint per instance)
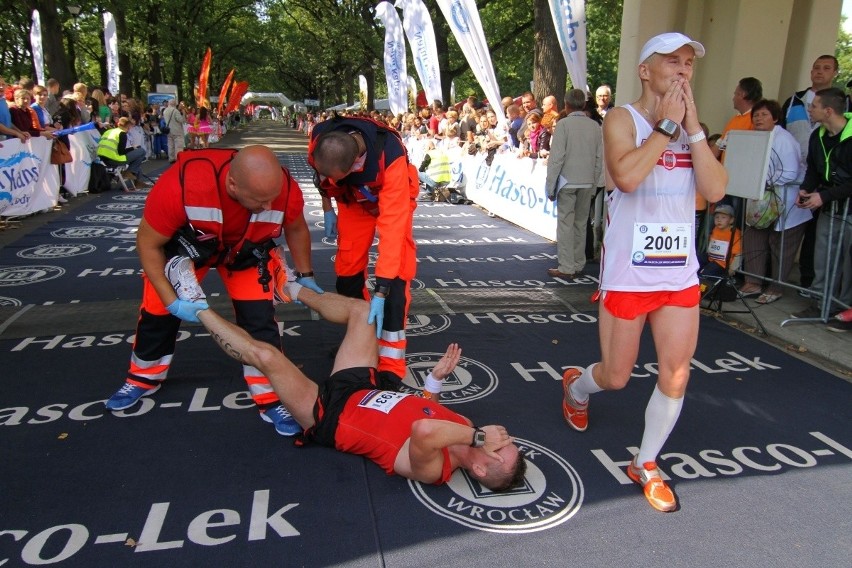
(843, 52)
(304, 48)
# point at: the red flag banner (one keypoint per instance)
(224, 91)
(201, 99)
(237, 93)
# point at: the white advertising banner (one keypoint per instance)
(513, 189)
(395, 61)
(84, 145)
(38, 51)
(28, 181)
(421, 39)
(569, 19)
(463, 18)
(111, 43)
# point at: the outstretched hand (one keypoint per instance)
(448, 362)
(496, 438)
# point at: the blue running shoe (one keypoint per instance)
(284, 422)
(128, 395)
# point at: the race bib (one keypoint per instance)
(717, 249)
(383, 401)
(661, 245)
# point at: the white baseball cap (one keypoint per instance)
(668, 43)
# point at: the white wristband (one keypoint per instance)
(432, 384)
(693, 138)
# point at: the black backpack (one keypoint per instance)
(99, 179)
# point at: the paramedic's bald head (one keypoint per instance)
(255, 178)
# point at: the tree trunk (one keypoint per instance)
(549, 71)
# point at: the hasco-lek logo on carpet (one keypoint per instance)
(6, 302)
(425, 324)
(551, 494)
(125, 218)
(84, 232)
(23, 275)
(47, 251)
(120, 206)
(470, 380)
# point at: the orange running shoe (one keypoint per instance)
(576, 414)
(657, 492)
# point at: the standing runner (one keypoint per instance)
(657, 156)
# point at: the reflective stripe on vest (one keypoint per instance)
(108, 146)
(202, 171)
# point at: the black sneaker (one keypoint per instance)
(811, 312)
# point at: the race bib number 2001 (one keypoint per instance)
(661, 245)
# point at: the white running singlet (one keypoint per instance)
(649, 240)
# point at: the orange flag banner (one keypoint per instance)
(237, 93)
(224, 91)
(201, 98)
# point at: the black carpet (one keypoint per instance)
(760, 457)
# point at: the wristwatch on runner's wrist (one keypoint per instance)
(478, 438)
(668, 127)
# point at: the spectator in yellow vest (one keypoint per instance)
(113, 150)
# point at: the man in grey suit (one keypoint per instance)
(573, 169)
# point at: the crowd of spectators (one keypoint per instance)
(30, 110)
(473, 127)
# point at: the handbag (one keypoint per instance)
(762, 213)
(163, 128)
(59, 153)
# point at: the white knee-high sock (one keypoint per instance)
(661, 415)
(585, 385)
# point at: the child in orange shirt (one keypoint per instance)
(716, 261)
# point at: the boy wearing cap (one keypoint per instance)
(724, 237)
(657, 156)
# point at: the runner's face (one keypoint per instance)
(665, 69)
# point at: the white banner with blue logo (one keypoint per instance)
(395, 62)
(28, 181)
(511, 188)
(569, 19)
(463, 18)
(38, 52)
(421, 39)
(111, 43)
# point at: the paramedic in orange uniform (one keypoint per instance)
(363, 165)
(222, 208)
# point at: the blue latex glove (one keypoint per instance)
(187, 311)
(377, 314)
(330, 218)
(309, 282)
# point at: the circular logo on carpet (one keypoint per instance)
(42, 252)
(551, 493)
(107, 218)
(423, 324)
(129, 197)
(120, 206)
(9, 302)
(84, 232)
(23, 275)
(470, 380)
